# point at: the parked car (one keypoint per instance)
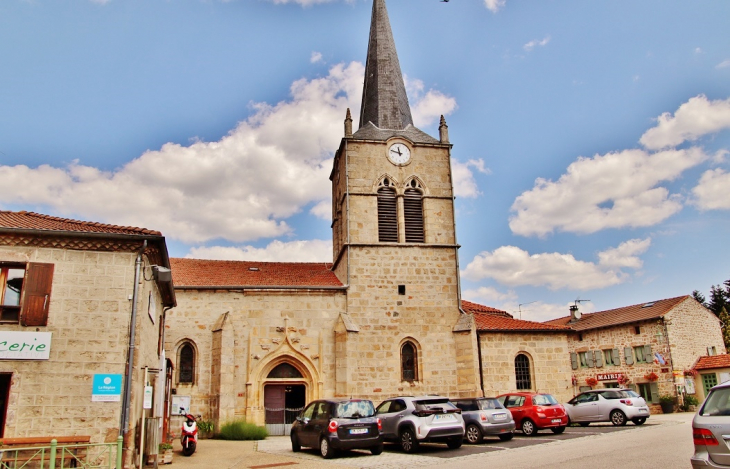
(710, 427)
(485, 416)
(336, 424)
(533, 411)
(411, 421)
(607, 405)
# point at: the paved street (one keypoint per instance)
(664, 441)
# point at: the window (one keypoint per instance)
(637, 330)
(283, 370)
(610, 358)
(643, 354)
(708, 381)
(514, 401)
(522, 372)
(583, 356)
(26, 293)
(649, 391)
(413, 212)
(711, 350)
(387, 213)
(187, 364)
(408, 359)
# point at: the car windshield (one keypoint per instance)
(717, 403)
(487, 404)
(355, 409)
(544, 399)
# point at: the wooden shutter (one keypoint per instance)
(589, 358)
(36, 294)
(616, 357)
(647, 354)
(413, 214)
(574, 360)
(654, 389)
(387, 216)
(598, 358)
(629, 355)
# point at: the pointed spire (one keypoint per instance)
(384, 99)
(348, 124)
(443, 131)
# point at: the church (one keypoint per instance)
(258, 340)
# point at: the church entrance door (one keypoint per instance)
(283, 403)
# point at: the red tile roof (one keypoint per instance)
(36, 221)
(625, 315)
(495, 320)
(210, 273)
(713, 361)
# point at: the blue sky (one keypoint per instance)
(590, 139)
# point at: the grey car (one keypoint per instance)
(485, 416)
(711, 430)
(617, 406)
(411, 421)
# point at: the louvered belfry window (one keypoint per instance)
(387, 214)
(413, 214)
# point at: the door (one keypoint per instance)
(389, 413)
(275, 405)
(585, 408)
(5, 379)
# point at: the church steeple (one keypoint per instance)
(384, 99)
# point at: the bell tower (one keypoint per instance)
(394, 242)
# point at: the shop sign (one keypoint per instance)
(609, 376)
(25, 345)
(678, 377)
(107, 388)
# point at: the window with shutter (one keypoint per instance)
(617, 357)
(598, 358)
(387, 213)
(26, 293)
(589, 358)
(628, 355)
(413, 213)
(12, 277)
(574, 360)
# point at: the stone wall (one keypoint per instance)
(692, 329)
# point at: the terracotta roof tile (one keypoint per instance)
(625, 315)
(496, 320)
(36, 221)
(213, 273)
(470, 307)
(713, 361)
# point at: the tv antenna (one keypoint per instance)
(519, 306)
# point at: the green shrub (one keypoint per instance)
(241, 430)
(666, 398)
(205, 426)
(690, 400)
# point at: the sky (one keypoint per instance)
(591, 140)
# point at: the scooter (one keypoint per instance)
(189, 435)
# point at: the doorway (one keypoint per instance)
(283, 403)
(5, 379)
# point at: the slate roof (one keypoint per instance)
(384, 99)
(618, 316)
(36, 221)
(207, 273)
(490, 319)
(415, 135)
(712, 362)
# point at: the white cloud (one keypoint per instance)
(616, 190)
(694, 119)
(723, 64)
(713, 191)
(305, 3)
(698, 50)
(494, 5)
(531, 45)
(316, 57)
(512, 266)
(315, 250)
(488, 295)
(427, 108)
(464, 183)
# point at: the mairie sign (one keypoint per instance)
(25, 345)
(107, 388)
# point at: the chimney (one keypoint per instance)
(574, 313)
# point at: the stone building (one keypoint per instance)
(710, 370)
(68, 288)
(647, 346)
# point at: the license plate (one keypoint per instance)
(500, 416)
(556, 420)
(443, 417)
(358, 431)
(643, 410)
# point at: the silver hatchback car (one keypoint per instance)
(607, 405)
(711, 430)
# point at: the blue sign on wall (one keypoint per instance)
(107, 388)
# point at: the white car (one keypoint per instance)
(607, 405)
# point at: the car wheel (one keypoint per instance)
(455, 442)
(506, 436)
(639, 421)
(558, 430)
(584, 424)
(474, 434)
(528, 427)
(295, 446)
(327, 451)
(408, 441)
(618, 418)
(376, 450)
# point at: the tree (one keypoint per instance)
(725, 323)
(697, 295)
(719, 298)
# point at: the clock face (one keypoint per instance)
(399, 153)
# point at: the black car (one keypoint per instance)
(335, 424)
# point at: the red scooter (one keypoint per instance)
(189, 435)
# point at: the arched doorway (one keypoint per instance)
(285, 394)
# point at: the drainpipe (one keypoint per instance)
(124, 422)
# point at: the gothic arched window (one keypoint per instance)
(285, 370)
(387, 213)
(522, 372)
(409, 362)
(413, 212)
(186, 364)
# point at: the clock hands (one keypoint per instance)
(397, 150)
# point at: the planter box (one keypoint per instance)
(667, 407)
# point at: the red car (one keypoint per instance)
(532, 412)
